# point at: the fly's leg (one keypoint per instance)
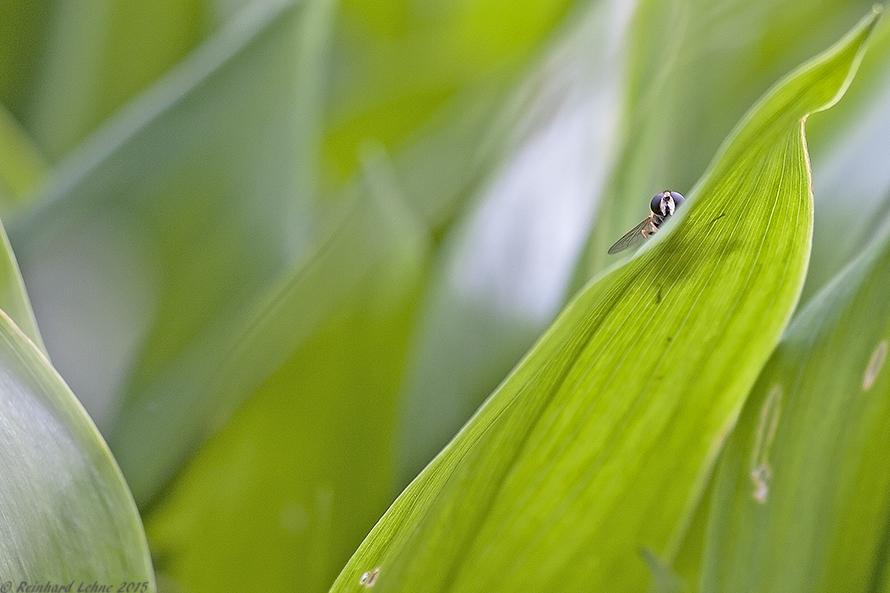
(650, 230)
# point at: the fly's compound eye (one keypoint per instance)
(655, 204)
(678, 199)
(665, 203)
(662, 204)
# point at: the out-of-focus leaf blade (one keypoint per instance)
(21, 164)
(304, 468)
(506, 264)
(402, 61)
(13, 297)
(599, 442)
(802, 498)
(99, 54)
(23, 27)
(215, 381)
(169, 223)
(851, 180)
(20, 168)
(67, 513)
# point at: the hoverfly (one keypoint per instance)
(663, 205)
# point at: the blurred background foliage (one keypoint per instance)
(282, 250)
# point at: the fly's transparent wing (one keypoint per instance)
(634, 236)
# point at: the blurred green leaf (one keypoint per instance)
(99, 54)
(601, 439)
(13, 297)
(153, 263)
(801, 498)
(304, 468)
(67, 514)
(400, 61)
(506, 262)
(23, 29)
(21, 164)
(20, 168)
(846, 147)
(851, 180)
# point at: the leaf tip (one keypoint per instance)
(857, 38)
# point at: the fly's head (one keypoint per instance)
(665, 203)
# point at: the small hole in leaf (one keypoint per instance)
(874, 365)
(760, 475)
(763, 442)
(369, 578)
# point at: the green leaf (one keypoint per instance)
(303, 469)
(98, 55)
(851, 180)
(802, 497)
(21, 37)
(13, 297)
(67, 513)
(693, 68)
(506, 263)
(151, 263)
(20, 168)
(199, 388)
(600, 441)
(401, 62)
(587, 126)
(21, 164)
